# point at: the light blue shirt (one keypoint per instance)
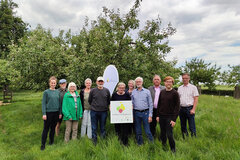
(142, 100)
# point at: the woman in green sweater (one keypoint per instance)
(72, 110)
(51, 111)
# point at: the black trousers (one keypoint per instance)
(166, 131)
(153, 124)
(50, 123)
(123, 131)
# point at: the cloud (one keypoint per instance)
(207, 29)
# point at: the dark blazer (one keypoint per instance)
(152, 91)
(82, 97)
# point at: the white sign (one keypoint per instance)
(121, 112)
(111, 78)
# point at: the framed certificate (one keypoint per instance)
(121, 112)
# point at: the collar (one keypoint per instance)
(141, 89)
(186, 85)
(156, 87)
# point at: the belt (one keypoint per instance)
(141, 110)
(186, 106)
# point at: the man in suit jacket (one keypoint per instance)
(155, 92)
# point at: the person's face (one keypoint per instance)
(185, 79)
(139, 83)
(72, 88)
(88, 84)
(63, 85)
(52, 83)
(130, 85)
(156, 81)
(121, 89)
(168, 84)
(100, 83)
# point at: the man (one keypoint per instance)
(188, 102)
(142, 109)
(62, 90)
(155, 92)
(99, 100)
(167, 112)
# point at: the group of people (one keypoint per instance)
(157, 104)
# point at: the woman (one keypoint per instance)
(72, 110)
(122, 129)
(86, 122)
(51, 111)
(131, 86)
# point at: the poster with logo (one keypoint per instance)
(121, 112)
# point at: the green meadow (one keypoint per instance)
(217, 121)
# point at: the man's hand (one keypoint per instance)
(149, 119)
(192, 111)
(70, 119)
(44, 117)
(157, 118)
(172, 123)
(60, 116)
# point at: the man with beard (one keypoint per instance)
(142, 110)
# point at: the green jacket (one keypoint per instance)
(68, 107)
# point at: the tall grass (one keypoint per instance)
(217, 122)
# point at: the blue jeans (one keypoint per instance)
(139, 118)
(184, 117)
(98, 116)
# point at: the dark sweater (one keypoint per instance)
(99, 99)
(117, 97)
(168, 104)
(62, 93)
(51, 101)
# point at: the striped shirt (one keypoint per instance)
(187, 94)
(142, 100)
(75, 99)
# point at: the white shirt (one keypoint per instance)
(187, 94)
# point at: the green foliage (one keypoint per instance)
(232, 76)
(8, 75)
(109, 40)
(217, 122)
(11, 27)
(38, 56)
(202, 72)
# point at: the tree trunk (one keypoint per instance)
(199, 90)
(237, 92)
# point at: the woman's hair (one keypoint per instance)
(52, 78)
(120, 84)
(133, 82)
(88, 79)
(72, 84)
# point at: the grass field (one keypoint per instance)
(217, 120)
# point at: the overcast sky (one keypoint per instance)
(207, 29)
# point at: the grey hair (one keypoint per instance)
(88, 79)
(156, 75)
(119, 84)
(139, 78)
(72, 84)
